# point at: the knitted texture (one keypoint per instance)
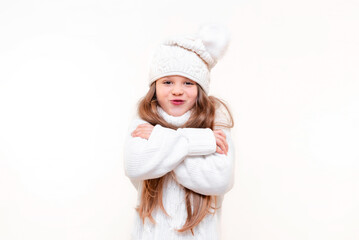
(175, 60)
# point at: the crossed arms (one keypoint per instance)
(191, 153)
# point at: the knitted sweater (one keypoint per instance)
(190, 153)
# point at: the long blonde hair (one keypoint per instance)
(203, 116)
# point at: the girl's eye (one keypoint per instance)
(189, 83)
(167, 82)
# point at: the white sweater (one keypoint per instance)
(191, 154)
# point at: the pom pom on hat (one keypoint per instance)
(192, 56)
(215, 38)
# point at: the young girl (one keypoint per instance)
(178, 153)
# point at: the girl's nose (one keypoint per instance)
(176, 90)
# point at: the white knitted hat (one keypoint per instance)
(191, 56)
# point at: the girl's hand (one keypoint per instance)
(143, 130)
(222, 145)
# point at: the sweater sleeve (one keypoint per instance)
(163, 150)
(211, 174)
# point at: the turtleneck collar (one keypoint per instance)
(175, 120)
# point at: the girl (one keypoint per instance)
(178, 153)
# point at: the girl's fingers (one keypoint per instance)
(226, 145)
(220, 136)
(220, 132)
(222, 143)
(143, 131)
(136, 133)
(219, 150)
(142, 135)
(220, 146)
(223, 148)
(144, 126)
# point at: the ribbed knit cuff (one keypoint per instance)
(201, 140)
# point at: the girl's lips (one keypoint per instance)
(177, 102)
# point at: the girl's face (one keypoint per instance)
(176, 94)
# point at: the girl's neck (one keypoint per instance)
(175, 120)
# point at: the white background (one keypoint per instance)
(71, 73)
